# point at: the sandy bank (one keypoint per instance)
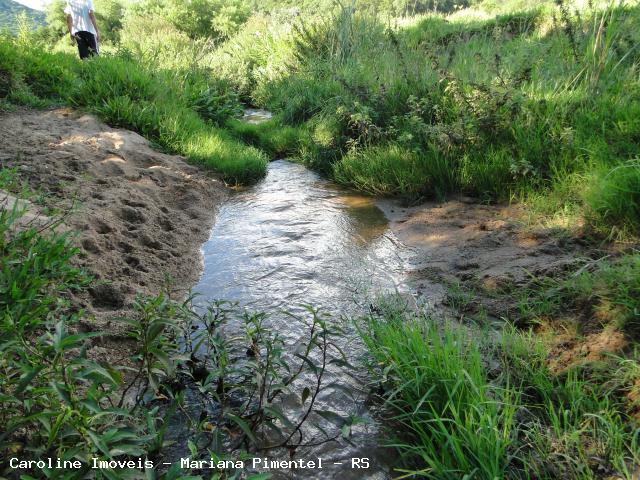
(462, 241)
(140, 215)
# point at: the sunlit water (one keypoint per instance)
(296, 239)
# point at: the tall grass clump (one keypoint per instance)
(455, 423)
(177, 114)
(460, 407)
(396, 171)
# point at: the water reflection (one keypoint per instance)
(295, 239)
(256, 116)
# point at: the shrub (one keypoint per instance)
(613, 199)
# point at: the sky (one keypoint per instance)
(37, 4)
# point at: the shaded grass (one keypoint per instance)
(272, 137)
(613, 197)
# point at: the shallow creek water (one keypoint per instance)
(293, 239)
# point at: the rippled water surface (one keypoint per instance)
(295, 239)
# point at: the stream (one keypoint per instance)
(293, 239)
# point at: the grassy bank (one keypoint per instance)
(471, 407)
(538, 104)
(178, 111)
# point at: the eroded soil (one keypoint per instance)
(461, 240)
(140, 216)
(489, 250)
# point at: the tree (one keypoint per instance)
(109, 14)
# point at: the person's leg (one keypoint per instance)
(83, 47)
(87, 45)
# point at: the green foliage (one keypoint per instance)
(455, 422)
(519, 104)
(521, 421)
(55, 400)
(109, 14)
(396, 171)
(272, 137)
(613, 198)
(217, 103)
(123, 93)
(607, 289)
(213, 19)
(56, 19)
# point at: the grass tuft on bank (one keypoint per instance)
(169, 109)
(464, 406)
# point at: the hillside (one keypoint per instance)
(10, 10)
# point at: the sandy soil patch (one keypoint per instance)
(141, 216)
(460, 240)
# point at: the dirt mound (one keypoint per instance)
(141, 215)
(461, 240)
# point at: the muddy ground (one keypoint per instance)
(140, 216)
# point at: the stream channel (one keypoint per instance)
(293, 239)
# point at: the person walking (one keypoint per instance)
(83, 27)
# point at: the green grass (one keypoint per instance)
(454, 422)
(395, 171)
(159, 105)
(501, 104)
(613, 197)
(453, 417)
(601, 292)
(272, 137)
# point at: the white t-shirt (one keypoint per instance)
(79, 11)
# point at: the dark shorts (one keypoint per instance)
(87, 45)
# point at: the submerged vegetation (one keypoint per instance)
(533, 102)
(61, 399)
